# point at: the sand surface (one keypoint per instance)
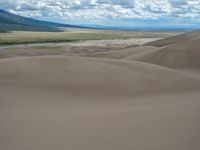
(144, 97)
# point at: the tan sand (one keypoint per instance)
(193, 35)
(123, 53)
(183, 55)
(60, 102)
(135, 98)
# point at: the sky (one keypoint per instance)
(178, 14)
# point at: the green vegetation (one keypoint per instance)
(23, 37)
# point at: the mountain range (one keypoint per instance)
(11, 22)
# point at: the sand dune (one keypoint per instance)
(135, 98)
(182, 55)
(61, 102)
(120, 54)
(193, 35)
(85, 76)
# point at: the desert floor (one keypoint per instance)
(135, 94)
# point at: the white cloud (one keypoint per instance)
(98, 9)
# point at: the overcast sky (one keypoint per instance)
(130, 13)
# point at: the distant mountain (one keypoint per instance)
(12, 22)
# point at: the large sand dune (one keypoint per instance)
(132, 99)
(193, 35)
(88, 76)
(180, 55)
(183, 55)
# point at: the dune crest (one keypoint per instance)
(92, 76)
(181, 55)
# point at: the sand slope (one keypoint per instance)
(182, 55)
(176, 39)
(130, 99)
(59, 102)
(86, 76)
(123, 53)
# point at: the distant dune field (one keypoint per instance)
(122, 94)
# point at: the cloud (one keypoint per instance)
(105, 9)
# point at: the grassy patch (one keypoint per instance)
(74, 35)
